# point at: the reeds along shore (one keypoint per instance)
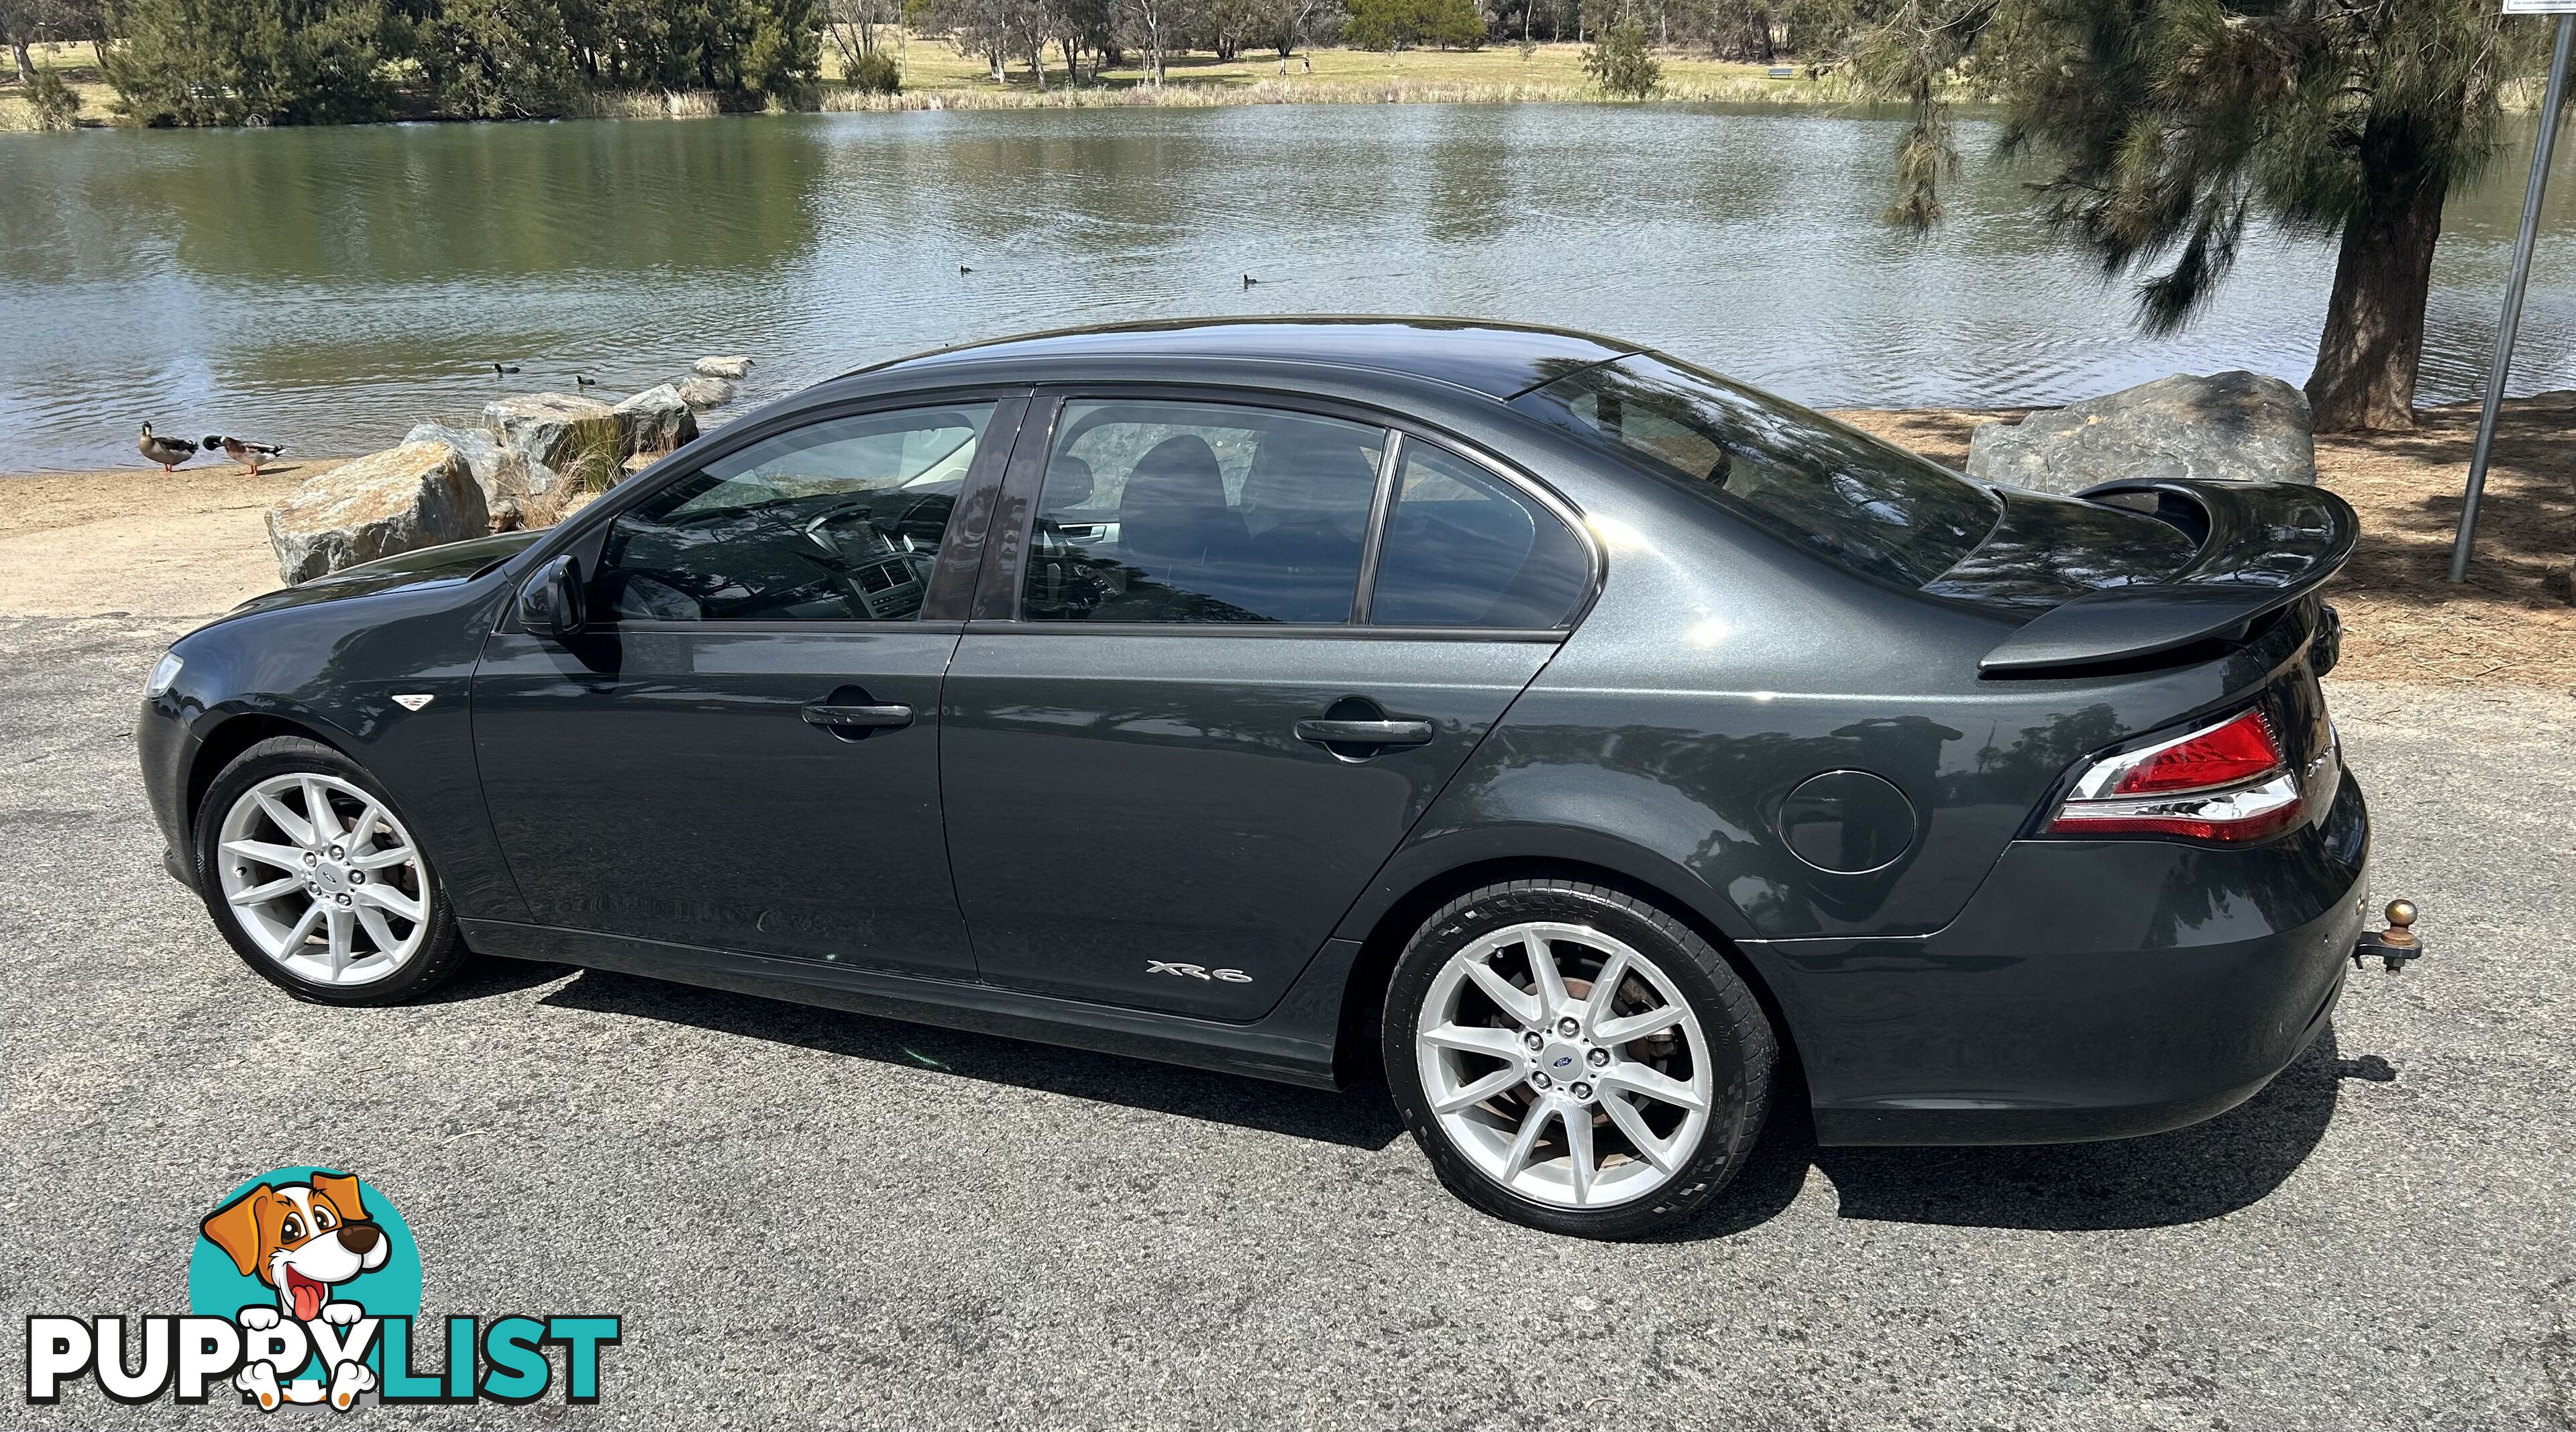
(1203, 94)
(1187, 94)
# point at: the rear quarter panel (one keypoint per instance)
(1718, 670)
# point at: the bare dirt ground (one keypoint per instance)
(2512, 621)
(184, 543)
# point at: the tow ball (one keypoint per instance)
(2394, 946)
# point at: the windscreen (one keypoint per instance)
(1835, 491)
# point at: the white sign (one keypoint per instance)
(2540, 7)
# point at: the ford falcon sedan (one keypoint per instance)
(1592, 748)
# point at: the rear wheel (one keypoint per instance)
(1572, 1058)
(313, 877)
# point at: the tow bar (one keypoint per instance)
(2394, 946)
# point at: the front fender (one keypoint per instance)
(331, 670)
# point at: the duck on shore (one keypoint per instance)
(169, 452)
(248, 454)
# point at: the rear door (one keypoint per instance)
(1226, 653)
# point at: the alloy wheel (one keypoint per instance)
(323, 879)
(1564, 1064)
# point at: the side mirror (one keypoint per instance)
(550, 601)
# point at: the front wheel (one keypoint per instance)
(315, 880)
(1572, 1058)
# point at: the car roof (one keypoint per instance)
(1499, 360)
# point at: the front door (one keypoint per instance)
(741, 751)
(1187, 752)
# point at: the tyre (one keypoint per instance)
(1574, 1059)
(313, 876)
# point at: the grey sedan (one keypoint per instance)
(1596, 750)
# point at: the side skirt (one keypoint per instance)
(1293, 1044)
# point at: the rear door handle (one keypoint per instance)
(863, 717)
(1365, 733)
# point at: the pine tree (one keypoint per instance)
(2170, 124)
(271, 61)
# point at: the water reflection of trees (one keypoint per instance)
(406, 203)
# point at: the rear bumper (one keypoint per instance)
(2090, 990)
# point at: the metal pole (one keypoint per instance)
(2549, 107)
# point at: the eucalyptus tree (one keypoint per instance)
(1158, 27)
(19, 22)
(2168, 126)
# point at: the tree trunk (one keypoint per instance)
(26, 62)
(2374, 336)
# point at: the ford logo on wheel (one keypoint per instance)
(1564, 1059)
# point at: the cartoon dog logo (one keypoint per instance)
(302, 1239)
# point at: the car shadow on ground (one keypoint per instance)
(1360, 1119)
(2185, 1176)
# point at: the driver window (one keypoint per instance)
(839, 521)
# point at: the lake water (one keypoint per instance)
(325, 288)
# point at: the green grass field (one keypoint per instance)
(79, 69)
(937, 75)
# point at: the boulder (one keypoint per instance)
(655, 420)
(735, 368)
(2235, 426)
(701, 392)
(555, 430)
(501, 472)
(417, 495)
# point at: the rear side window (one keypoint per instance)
(1464, 549)
(1201, 512)
(1841, 494)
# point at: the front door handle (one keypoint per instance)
(868, 718)
(1365, 733)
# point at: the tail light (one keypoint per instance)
(2228, 782)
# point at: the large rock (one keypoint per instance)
(416, 495)
(501, 472)
(702, 393)
(735, 368)
(556, 430)
(2237, 426)
(656, 420)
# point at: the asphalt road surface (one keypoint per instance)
(812, 1218)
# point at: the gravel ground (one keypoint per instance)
(808, 1217)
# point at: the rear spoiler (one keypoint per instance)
(2263, 545)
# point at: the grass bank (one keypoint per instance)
(938, 77)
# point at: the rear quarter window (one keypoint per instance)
(1838, 493)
